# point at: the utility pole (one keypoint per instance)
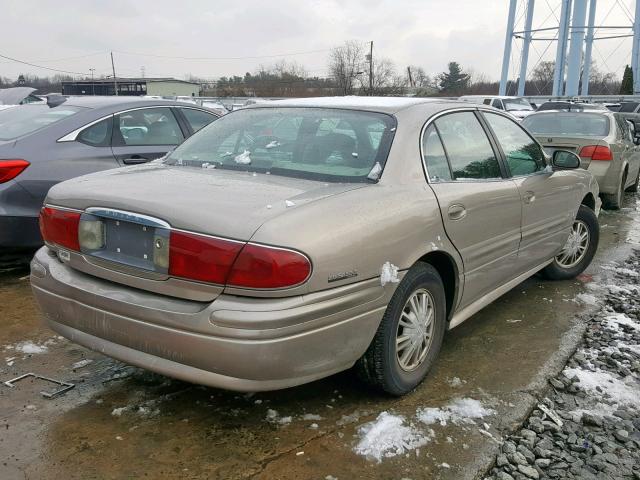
(371, 68)
(524, 59)
(504, 77)
(411, 84)
(93, 86)
(115, 79)
(586, 67)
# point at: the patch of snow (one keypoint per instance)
(81, 363)
(615, 320)
(620, 392)
(273, 144)
(311, 416)
(375, 172)
(388, 273)
(455, 382)
(117, 412)
(388, 436)
(244, 158)
(30, 348)
(274, 417)
(621, 270)
(460, 410)
(289, 203)
(587, 299)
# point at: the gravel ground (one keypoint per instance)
(588, 426)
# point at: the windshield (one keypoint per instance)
(18, 121)
(568, 124)
(511, 104)
(313, 143)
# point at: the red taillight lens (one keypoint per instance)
(60, 227)
(10, 169)
(596, 152)
(259, 266)
(202, 258)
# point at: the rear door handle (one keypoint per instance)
(529, 197)
(457, 212)
(134, 160)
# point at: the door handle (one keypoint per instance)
(529, 197)
(134, 160)
(457, 212)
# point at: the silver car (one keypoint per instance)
(604, 141)
(289, 241)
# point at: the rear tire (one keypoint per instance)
(634, 188)
(613, 201)
(573, 260)
(406, 344)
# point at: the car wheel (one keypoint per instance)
(634, 188)
(613, 201)
(410, 334)
(578, 251)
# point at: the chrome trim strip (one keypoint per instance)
(127, 216)
(434, 117)
(67, 209)
(72, 136)
(233, 240)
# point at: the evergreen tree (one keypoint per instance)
(455, 81)
(626, 87)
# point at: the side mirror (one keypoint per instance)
(565, 159)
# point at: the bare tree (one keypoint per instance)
(346, 63)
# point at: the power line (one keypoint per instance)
(40, 66)
(223, 58)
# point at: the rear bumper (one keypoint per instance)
(19, 232)
(234, 343)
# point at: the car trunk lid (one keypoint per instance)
(572, 144)
(139, 206)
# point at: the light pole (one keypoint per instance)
(93, 85)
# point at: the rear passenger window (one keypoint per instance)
(97, 135)
(148, 126)
(434, 156)
(524, 156)
(468, 147)
(197, 118)
(497, 103)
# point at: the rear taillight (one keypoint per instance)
(260, 266)
(10, 169)
(202, 258)
(596, 152)
(60, 227)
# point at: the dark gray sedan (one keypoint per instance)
(42, 145)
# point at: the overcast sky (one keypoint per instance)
(78, 35)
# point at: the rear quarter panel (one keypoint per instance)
(358, 231)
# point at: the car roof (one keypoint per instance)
(125, 101)
(375, 104)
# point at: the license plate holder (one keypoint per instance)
(130, 240)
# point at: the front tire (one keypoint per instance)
(578, 251)
(410, 334)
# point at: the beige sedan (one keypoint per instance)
(292, 240)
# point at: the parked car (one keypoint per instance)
(517, 106)
(604, 142)
(289, 241)
(41, 146)
(570, 106)
(19, 96)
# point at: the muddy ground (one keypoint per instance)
(122, 422)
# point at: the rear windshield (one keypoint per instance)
(313, 143)
(568, 124)
(18, 121)
(513, 104)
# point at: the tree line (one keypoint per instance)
(352, 71)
